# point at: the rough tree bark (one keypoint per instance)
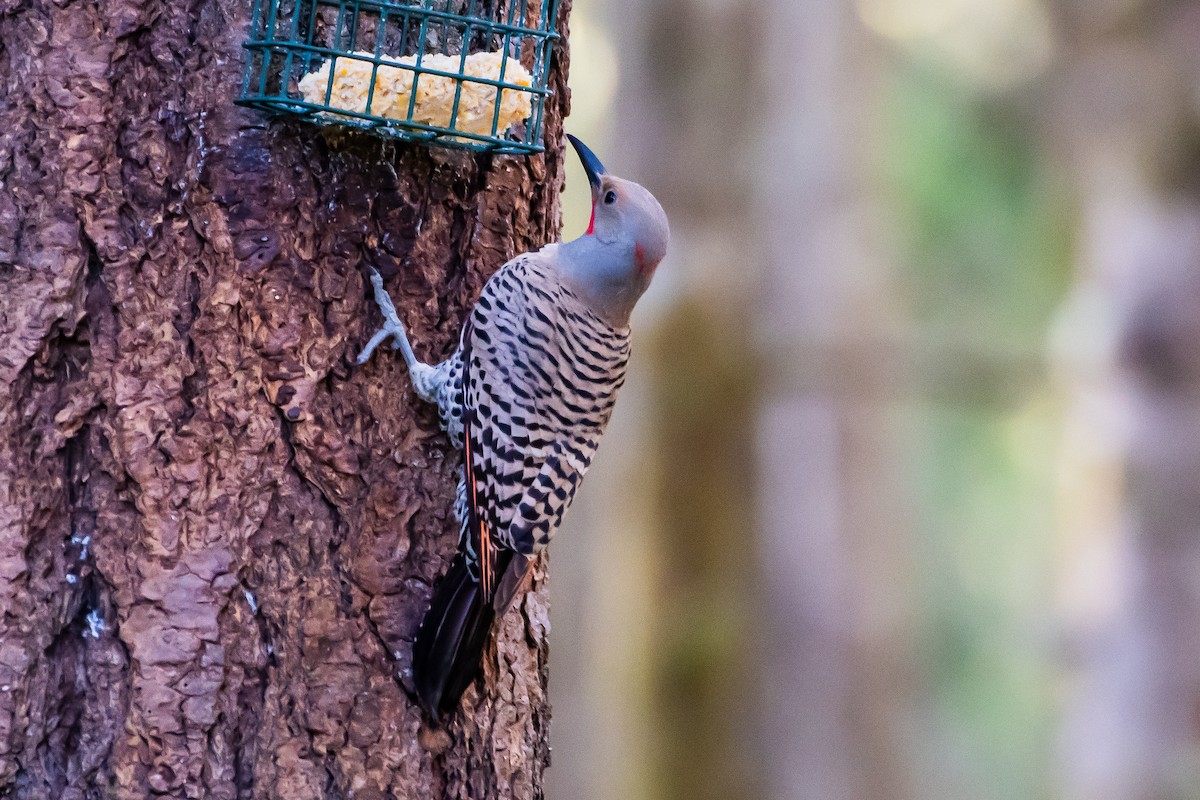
(217, 534)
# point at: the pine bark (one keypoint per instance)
(217, 533)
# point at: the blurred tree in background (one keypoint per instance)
(909, 500)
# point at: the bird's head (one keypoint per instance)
(613, 262)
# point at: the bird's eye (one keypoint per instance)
(610, 197)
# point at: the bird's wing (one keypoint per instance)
(479, 533)
(541, 376)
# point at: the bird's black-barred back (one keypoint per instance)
(543, 375)
(526, 396)
(532, 386)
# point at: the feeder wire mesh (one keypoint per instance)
(459, 73)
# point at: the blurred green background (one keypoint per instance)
(902, 498)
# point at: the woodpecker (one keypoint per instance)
(526, 396)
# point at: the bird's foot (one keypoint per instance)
(392, 326)
(426, 379)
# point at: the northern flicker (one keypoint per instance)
(526, 396)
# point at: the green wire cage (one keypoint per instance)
(461, 73)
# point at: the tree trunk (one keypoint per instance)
(217, 533)
(835, 657)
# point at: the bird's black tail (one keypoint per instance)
(449, 645)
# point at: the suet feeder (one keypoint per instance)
(460, 73)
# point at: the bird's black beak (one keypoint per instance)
(591, 164)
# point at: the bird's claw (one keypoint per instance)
(379, 338)
(392, 326)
